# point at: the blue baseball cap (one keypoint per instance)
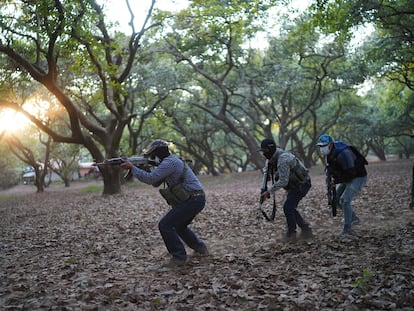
(324, 139)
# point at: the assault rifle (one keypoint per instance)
(412, 191)
(412, 186)
(263, 189)
(331, 194)
(140, 161)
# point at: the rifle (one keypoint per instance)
(412, 186)
(331, 194)
(140, 161)
(263, 189)
(412, 191)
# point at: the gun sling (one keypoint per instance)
(264, 188)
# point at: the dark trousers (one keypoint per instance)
(293, 217)
(174, 227)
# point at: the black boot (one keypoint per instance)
(306, 233)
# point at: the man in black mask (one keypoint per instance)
(188, 200)
(291, 175)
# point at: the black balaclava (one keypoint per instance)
(161, 152)
(268, 147)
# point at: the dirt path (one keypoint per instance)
(27, 189)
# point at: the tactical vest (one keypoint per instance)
(298, 173)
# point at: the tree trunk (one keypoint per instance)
(66, 182)
(111, 179)
(378, 151)
(39, 182)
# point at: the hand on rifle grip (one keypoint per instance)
(126, 165)
(264, 195)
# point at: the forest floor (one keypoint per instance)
(74, 249)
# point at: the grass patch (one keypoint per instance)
(91, 188)
(5, 197)
(216, 180)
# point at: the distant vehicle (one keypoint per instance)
(29, 175)
(89, 169)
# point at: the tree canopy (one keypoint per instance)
(194, 78)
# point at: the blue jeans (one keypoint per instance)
(292, 215)
(346, 192)
(174, 227)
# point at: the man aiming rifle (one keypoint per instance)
(184, 193)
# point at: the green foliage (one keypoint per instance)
(9, 168)
(362, 282)
(9, 176)
(193, 82)
(391, 48)
(91, 189)
(207, 28)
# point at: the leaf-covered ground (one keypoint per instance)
(69, 249)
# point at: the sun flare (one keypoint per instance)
(12, 121)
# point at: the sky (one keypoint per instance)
(118, 11)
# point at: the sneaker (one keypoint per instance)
(355, 220)
(174, 263)
(344, 233)
(306, 233)
(166, 266)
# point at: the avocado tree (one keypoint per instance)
(297, 76)
(389, 51)
(208, 40)
(68, 47)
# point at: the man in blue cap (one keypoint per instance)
(346, 166)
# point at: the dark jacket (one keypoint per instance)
(344, 164)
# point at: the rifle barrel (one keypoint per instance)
(137, 161)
